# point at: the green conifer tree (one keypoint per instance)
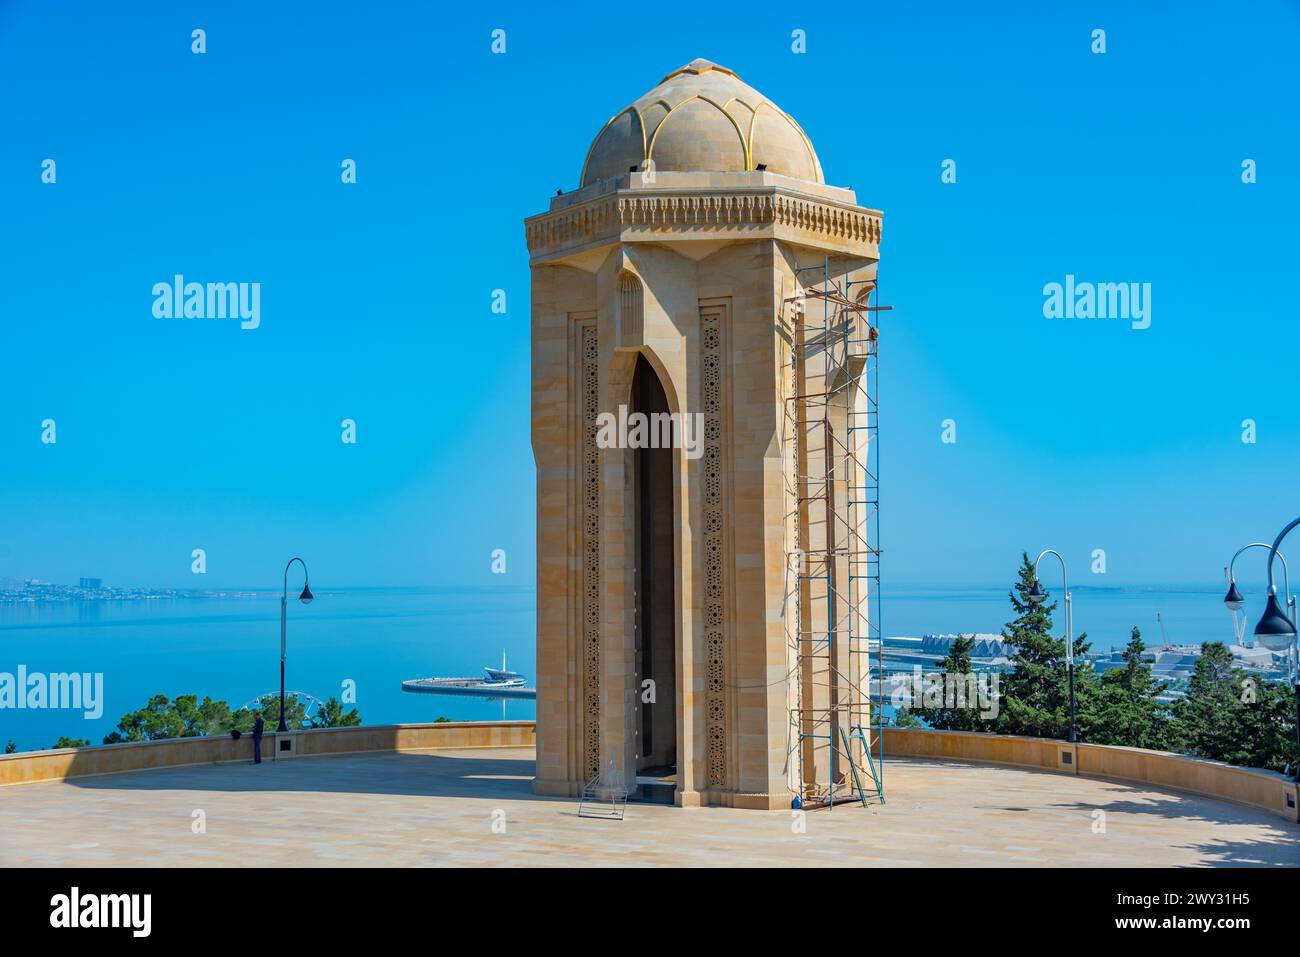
(1128, 712)
(1036, 693)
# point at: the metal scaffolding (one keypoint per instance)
(831, 466)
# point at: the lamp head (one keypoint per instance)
(1036, 595)
(1275, 631)
(1233, 599)
(306, 595)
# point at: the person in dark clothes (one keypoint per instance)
(257, 737)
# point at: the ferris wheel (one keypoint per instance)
(311, 704)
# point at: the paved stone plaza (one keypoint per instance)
(437, 808)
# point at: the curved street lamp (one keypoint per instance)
(305, 598)
(1276, 630)
(1036, 596)
(1234, 600)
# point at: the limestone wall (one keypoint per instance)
(1266, 790)
(30, 766)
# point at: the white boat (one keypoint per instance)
(496, 683)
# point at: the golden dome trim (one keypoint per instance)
(623, 154)
(740, 134)
(803, 137)
(704, 66)
(612, 120)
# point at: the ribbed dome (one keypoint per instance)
(702, 118)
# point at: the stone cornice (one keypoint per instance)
(687, 215)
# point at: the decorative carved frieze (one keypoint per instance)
(646, 215)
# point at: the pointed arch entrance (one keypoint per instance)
(655, 617)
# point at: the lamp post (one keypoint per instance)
(305, 598)
(1234, 600)
(1036, 597)
(1276, 630)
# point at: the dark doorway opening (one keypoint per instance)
(656, 604)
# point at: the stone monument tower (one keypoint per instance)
(696, 599)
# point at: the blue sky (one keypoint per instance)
(376, 297)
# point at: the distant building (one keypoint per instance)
(1177, 663)
(92, 583)
(986, 646)
(907, 650)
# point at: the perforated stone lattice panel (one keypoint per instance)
(714, 581)
(591, 552)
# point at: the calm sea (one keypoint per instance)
(229, 647)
